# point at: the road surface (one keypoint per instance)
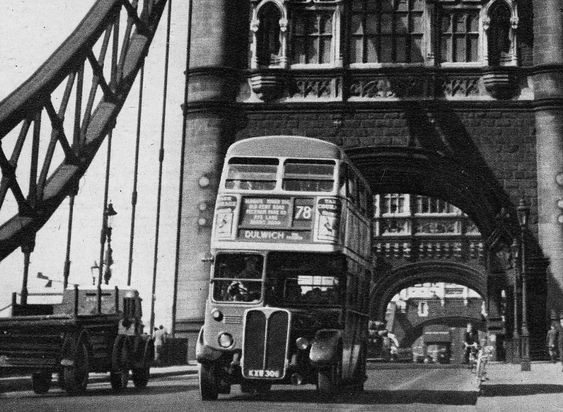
(401, 389)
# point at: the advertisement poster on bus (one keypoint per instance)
(224, 216)
(328, 219)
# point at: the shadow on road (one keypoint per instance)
(368, 397)
(520, 390)
(96, 391)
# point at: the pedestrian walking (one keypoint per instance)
(551, 342)
(159, 340)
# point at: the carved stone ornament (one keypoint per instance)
(267, 86)
(500, 82)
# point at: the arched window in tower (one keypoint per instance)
(499, 34)
(268, 35)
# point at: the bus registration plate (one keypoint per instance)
(263, 373)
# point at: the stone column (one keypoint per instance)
(548, 90)
(219, 41)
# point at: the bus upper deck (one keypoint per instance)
(304, 193)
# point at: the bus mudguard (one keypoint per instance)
(203, 352)
(324, 349)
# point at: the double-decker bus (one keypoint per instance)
(291, 270)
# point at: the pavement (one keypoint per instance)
(510, 389)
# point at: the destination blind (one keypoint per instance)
(276, 219)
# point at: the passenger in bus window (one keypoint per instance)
(251, 270)
(292, 291)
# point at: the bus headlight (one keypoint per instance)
(302, 343)
(225, 340)
(217, 315)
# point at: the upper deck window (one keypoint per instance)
(251, 173)
(309, 175)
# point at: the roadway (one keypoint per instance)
(402, 388)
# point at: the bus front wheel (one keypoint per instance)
(329, 379)
(208, 382)
(41, 382)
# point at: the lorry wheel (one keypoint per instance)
(76, 376)
(41, 382)
(208, 385)
(141, 377)
(119, 375)
(329, 379)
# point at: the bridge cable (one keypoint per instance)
(75, 145)
(160, 161)
(105, 232)
(135, 175)
(182, 165)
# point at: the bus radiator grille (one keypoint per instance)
(265, 343)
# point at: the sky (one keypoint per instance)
(31, 30)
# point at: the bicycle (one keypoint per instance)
(473, 355)
(482, 359)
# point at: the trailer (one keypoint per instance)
(91, 330)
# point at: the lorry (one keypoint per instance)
(91, 330)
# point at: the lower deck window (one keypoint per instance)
(306, 279)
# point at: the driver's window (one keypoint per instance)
(237, 277)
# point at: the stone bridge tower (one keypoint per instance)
(455, 99)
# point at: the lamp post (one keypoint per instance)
(523, 211)
(515, 247)
(94, 270)
(107, 228)
(107, 223)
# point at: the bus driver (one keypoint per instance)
(237, 290)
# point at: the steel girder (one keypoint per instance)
(95, 53)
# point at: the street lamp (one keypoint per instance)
(107, 227)
(514, 248)
(523, 211)
(94, 270)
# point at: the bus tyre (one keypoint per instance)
(208, 386)
(75, 376)
(329, 379)
(119, 375)
(41, 382)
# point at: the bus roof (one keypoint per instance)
(285, 146)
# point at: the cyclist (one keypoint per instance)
(471, 343)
